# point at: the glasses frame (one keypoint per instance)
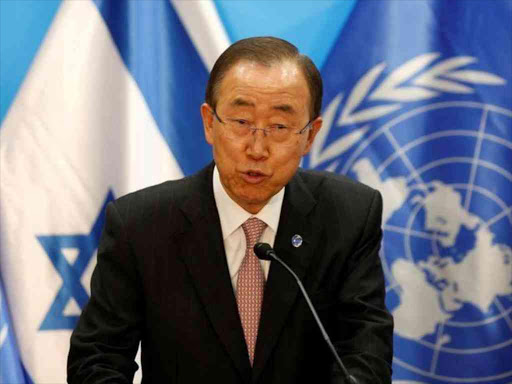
(265, 130)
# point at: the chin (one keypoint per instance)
(256, 195)
(253, 200)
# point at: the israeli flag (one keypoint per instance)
(12, 370)
(109, 106)
(418, 103)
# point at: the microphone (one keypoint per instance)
(265, 252)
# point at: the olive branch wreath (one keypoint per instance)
(428, 83)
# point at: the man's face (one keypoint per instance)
(254, 168)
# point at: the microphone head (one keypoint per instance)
(263, 251)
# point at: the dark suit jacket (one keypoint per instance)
(162, 278)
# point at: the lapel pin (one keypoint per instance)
(296, 241)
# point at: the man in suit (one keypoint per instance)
(176, 270)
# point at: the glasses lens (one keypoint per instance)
(236, 130)
(240, 130)
(280, 135)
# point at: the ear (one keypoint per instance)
(315, 127)
(207, 116)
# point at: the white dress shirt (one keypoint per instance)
(232, 216)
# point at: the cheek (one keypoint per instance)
(289, 157)
(286, 165)
(226, 150)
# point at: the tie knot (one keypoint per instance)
(253, 228)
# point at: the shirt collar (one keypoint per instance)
(233, 216)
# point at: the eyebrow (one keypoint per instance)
(239, 102)
(284, 108)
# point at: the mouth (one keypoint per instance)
(253, 176)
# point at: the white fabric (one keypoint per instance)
(201, 19)
(232, 216)
(78, 127)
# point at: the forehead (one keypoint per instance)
(249, 83)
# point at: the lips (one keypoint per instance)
(253, 176)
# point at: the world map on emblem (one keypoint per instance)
(445, 173)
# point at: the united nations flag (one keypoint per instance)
(418, 104)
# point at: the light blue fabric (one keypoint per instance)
(419, 103)
(311, 25)
(23, 25)
(11, 367)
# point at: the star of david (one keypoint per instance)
(71, 273)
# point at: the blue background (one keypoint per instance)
(311, 25)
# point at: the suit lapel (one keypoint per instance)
(204, 255)
(281, 289)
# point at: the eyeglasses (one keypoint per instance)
(239, 129)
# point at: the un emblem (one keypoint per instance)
(444, 167)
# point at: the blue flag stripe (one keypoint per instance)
(12, 368)
(162, 59)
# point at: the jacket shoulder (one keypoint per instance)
(341, 199)
(143, 197)
(161, 201)
(324, 184)
(169, 192)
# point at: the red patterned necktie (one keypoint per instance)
(250, 285)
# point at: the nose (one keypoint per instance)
(257, 148)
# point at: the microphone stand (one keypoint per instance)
(265, 252)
